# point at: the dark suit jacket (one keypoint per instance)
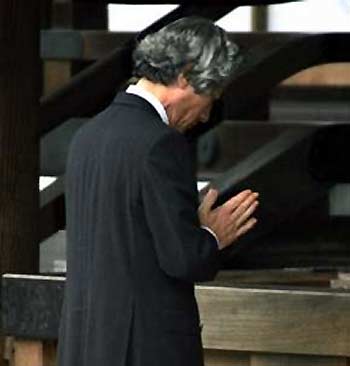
(135, 246)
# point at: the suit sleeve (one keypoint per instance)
(170, 199)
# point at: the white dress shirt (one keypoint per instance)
(158, 106)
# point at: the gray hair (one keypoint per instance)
(193, 46)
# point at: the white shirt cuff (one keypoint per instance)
(212, 233)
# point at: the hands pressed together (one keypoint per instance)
(230, 220)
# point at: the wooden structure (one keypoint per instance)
(289, 143)
(242, 325)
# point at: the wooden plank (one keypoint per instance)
(237, 321)
(213, 357)
(52, 217)
(296, 360)
(275, 321)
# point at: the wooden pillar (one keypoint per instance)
(260, 24)
(260, 19)
(19, 148)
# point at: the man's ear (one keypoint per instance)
(182, 81)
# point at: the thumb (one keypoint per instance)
(209, 200)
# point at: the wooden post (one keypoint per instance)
(259, 23)
(19, 148)
(260, 18)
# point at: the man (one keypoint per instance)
(136, 242)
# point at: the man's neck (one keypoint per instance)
(161, 92)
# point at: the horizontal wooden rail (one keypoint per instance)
(91, 45)
(253, 319)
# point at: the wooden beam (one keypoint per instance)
(269, 165)
(19, 144)
(91, 45)
(275, 320)
(52, 213)
(247, 324)
(295, 227)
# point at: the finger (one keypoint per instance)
(244, 205)
(246, 227)
(209, 200)
(247, 214)
(236, 200)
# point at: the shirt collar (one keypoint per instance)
(137, 90)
